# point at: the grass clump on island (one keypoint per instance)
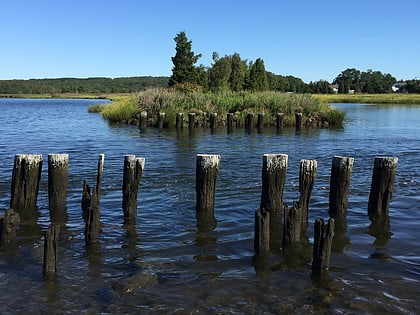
(173, 101)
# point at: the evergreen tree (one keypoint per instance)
(184, 60)
(257, 80)
(237, 75)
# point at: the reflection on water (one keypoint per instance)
(163, 264)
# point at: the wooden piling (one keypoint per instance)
(207, 169)
(191, 120)
(341, 170)
(92, 227)
(273, 181)
(323, 235)
(179, 120)
(249, 124)
(213, 117)
(8, 225)
(143, 120)
(50, 251)
(262, 232)
(161, 119)
(260, 122)
(292, 225)
(58, 168)
(307, 174)
(279, 121)
(86, 194)
(298, 119)
(382, 187)
(25, 181)
(229, 121)
(133, 171)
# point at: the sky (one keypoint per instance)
(309, 39)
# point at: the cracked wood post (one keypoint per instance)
(92, 227)
(86, 195)
(133, 171)
(307, 174)
(341, 170)
(58, 169)
(207, 169)
(143, 120)
(179, 120)
(8, 225)
(280, 117)
(292, 225)
(273, 181)
(382, 186)
(249, 124)
(262, 233)
(25, 181)
(191, 120)
(50, 251)
(323, 235)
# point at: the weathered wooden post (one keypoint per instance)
(179, 120)
(229, 121)
(273, 181)
(280, 121)
(249, 121)
(260, 122)
(191, 120)
(341, 170)
(25, 181)
(143, 120)
(262, 232)
(298, 119)
(307, 174)
(323, 235)
(382, 186)
(92, 227)
(58, 169)
(8, 225)
(50, 251)
(86, 194)
(213, 117)
(292, 225)
(161, 119)
(133, 171)
(207, 169)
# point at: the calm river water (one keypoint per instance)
(163, 265)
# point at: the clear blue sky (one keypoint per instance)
(308, 39)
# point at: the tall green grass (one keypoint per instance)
(391, 98)
(173, 101)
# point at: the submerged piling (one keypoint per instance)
(143, 120)
(249, 123)
(191, 120)
(92, 227)
(161, 119)
(50, 251)
(292, 225)
(133, 171)
(207, 169)
(323, 235)
(229, 121)
(307, 174)
(58, 167)
(260, 122)
(279, 121)
(341, 170)
(262, 232)
(179, 120)
(273, 181)
(213, 117)
(382, 186)
(25, 181)
(298, 119)
(8, 225)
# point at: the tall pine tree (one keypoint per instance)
(184, 60)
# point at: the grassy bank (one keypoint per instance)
(369, 98)
(240, 103)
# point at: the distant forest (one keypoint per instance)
(74, 85)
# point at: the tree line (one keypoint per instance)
(229, 72)
(88, 85)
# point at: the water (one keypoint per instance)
(188, 272)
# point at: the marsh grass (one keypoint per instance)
(391, 98)
(173, 101)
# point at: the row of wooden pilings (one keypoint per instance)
(212, 120)
(274, 228)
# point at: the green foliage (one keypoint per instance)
(257, 80)
(364, 82)
(120, 109)
(184, 61)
